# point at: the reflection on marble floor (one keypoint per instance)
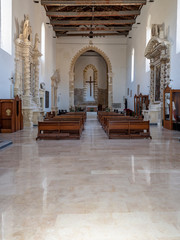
(90, 189)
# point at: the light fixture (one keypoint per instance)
(151, 0)
(35, 1)
(91, 32)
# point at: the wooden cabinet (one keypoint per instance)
(11, 119)
(171, 108)
(141, 102)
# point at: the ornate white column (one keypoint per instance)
(18, 68)
(27, 97)
(36, 56)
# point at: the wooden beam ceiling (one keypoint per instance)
(92, 3)
(91, 14)
(102, 17)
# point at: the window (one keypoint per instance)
(6, 25)
(43, 41)
(178, 28)
(43, 46)
(132, 65)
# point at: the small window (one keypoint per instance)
(6, 25)
(43, 47)
(132, 65)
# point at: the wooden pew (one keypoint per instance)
(103, 114)
(104, 119)
(64, 119)
(78, 114)
(119, 118)
(67, 117)
(128, 129)
(59, 130)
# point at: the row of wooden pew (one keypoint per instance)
(67, 126)
(119, 126)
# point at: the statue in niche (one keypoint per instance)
(36, 42)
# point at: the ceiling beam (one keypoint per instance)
(83, 29)
(94, 22)
(94, 14)
(94, 34)
(92, 3)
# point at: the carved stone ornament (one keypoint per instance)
(158, 51)
(27, 73)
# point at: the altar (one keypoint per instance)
(91, 108)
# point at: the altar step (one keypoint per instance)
(4, 144)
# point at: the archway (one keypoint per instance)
(72, 75)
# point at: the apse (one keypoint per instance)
(90, 80)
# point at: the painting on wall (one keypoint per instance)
(157, 83)
(138, 89)
(46, 99)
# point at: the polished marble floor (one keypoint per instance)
(90, 189)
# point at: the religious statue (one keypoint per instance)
(26, 27)
(36, 41)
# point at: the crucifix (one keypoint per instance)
(90, 82)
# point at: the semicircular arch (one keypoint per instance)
(71, 73)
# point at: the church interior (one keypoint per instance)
(89, 120)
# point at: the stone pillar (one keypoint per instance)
(27, 97)
(36, 55)
(27, 77)
(18, 68)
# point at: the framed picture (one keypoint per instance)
(46, 99)
(157, 83)
(138, 89)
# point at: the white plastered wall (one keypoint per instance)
(37, 16)
(114, 49)
(161, 11)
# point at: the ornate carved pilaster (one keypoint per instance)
(27, 77)
(36, 56)
(158, 51)
(27, 74)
